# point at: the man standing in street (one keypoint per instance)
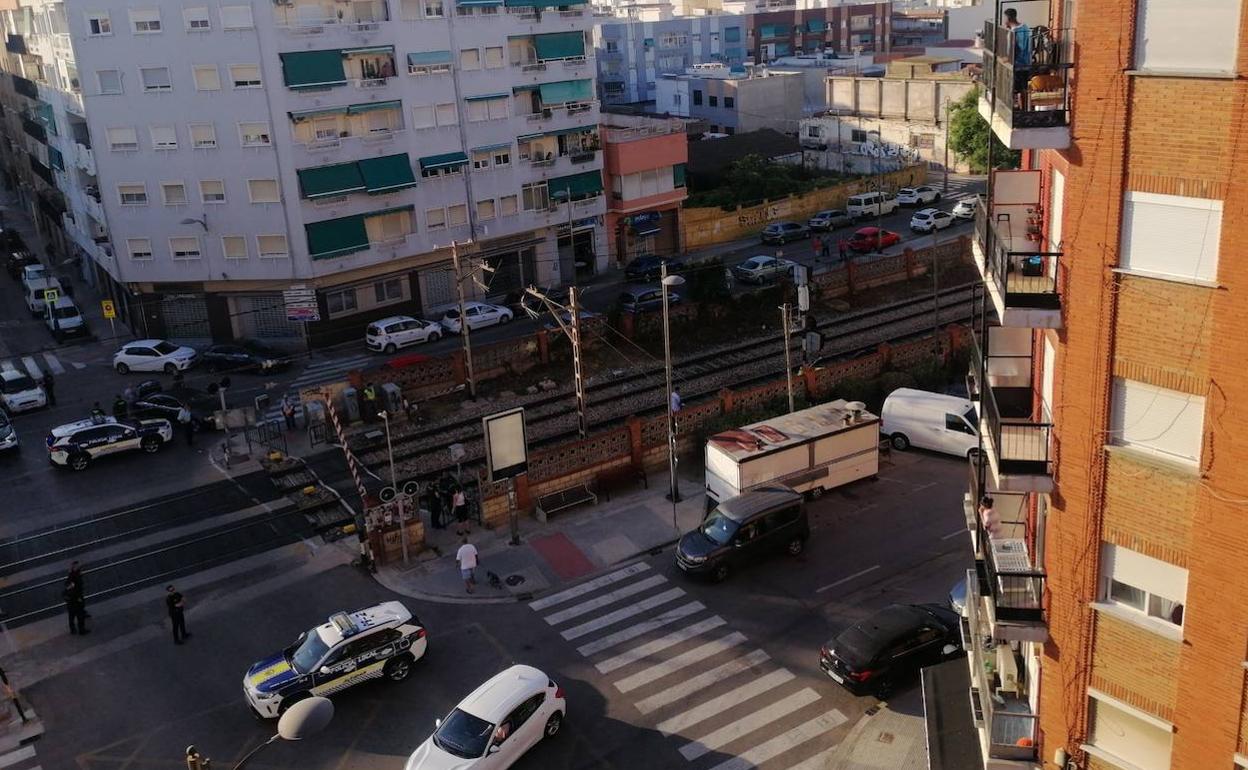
(49, 387)
(75, 607)
(187, 424)
(816, 244)
(467, 558)
(120, 408)
(842, 249)
(288, 411)
(177, 614)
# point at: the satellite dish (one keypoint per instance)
(411, 488)
(388, 493)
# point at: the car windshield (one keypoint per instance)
(463, 735)
(66, 312)
(751, 264)
(17, 384)
(309, 652)
(164, 347)
(452, 314)
(373, 330)
(719, 528)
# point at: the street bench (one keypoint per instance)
(564, 499)
(618, 477)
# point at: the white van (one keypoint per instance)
(934, 421)
(63, 317)
(870, 205)
(35, 291)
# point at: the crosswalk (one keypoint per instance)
(963, 187)
(35, 365)
(724, 703)
(316, 373)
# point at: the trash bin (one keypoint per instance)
(391, 398)
(313, 412)
(351, 404)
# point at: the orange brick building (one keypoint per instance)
(1108, 614)
(644, 166)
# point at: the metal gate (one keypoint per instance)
(186, 317)
(270, 435)
(265, 317)
(439, 282)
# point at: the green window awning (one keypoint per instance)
(425, 58)
(678, 175)
(815, 25)
(560, 45)
(369, 49)
(489, 147)
(483, 97)
(56, 159)
(445, 160)
(356, 109)
(576, 186)
(328, 181)
(566, 91)
(387, 174)
(300, 115)
(336, 237)
(541, 3)
(313, 69)
(478, 2)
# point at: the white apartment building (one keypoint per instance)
(239, 148)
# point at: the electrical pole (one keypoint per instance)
(788, 354)
(946, 186)
(879, 188)
(582, 423)
(463, 321)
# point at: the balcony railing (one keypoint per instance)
(1031, 91)
(999, 691)
(1027, 277)
(1020, 444)
(1003, 367)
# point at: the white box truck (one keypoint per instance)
(811, 451)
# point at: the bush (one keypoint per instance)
(752, 179)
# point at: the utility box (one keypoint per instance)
(313, 412)
(391, 398)
(351, 404)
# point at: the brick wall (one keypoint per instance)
(1158, 322)
(1134, 485)
(1127, 662)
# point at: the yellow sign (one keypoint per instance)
(50, 296)
(110, 310)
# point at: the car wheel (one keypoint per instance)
(288, 702)
(720, 573)
(389, 348)
(399, 668)
(80, 461)
(900, 441)
(171, 368)
(884, 690)
(433, 337)
(553, 725)
(122, 369)
(150, 444)
(936, 199)
(796, 546)
(505, 319)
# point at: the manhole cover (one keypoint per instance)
(885, 738)
(873, 710)
(514, 580)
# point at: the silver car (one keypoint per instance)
(763, 269)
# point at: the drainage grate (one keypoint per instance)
(514, 580)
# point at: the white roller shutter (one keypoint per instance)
(1157, 420)
(1123, 735)
(1135, 569)
(1171, 235)
(1187, 35)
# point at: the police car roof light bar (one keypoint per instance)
(342, 621)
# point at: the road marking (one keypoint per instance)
(847, 578)
(672, 665)
(710, 708)
(54, 363)
(612, 618)
(701, 681)
(748, 724)
(78, 366)
(632, 632)
(589, 586)
(820, 761)
(598, 602)
(18, 755)
(7, 365)
(784, 742)
(955, 533)
(32, 367)
(660, 644)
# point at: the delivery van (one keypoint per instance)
(935, 421)
(870, 205)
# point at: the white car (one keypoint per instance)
(762, 269)
(495, 725)
(913, 196)
(390, 334)
(62, 318)
(479, 316)
(37, 293)
(20, 393)
(965, 208)
(76, 444)
(929, 220)
(153, 356)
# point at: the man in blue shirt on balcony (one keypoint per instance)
(1021, 34)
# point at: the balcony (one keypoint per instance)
(34, 129)
(361, 17)
(1022, 275)
(26, 87)
(84, 159)
(1017, 445)
(1027, 105)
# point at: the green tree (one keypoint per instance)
(969, 135)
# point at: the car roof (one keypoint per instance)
(744, 506)
(13, 374)
(890, 623)
(70, 428)
(927, 212)
(145, 343)
(866, 231)
(498, 695)
(343, 625)
(64, 301)
(392, 319)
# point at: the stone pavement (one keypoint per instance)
(892, 738)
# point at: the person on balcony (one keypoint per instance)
(1021, 35)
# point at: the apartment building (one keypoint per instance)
(734, 100)
(1108, 613)
(644, 168)
(238, 149)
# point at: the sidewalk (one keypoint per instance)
(892, 738)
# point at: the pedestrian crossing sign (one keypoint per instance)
(110, 310)
(50, 296)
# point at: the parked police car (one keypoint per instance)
(76, 444)
(350, 648)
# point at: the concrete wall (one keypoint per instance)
(883, 97)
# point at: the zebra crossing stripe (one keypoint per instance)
(701, 681)
(710, 708)
(658, 645)
(773, 748)
(7, 365)
(53, 363)
(589, 586)
(632, 632)
(820, 761)
(611, 618)
(598, 602)
(32, 367)
(672, 665)
(748, 724)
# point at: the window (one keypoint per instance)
(447, 115)
(697, 96)
(164, 138)
(508, 205)
(272, 246)
(1124, 735)
(109, 81)
(145, 22)
(212, 191)
(1165, 30)
(494, 57)
(203, 136)
(481, 160)
(470, 59)
(263, 191)
(535, 196)
(206, 77)
(184, 247)
(435, 219)
(389, 290)
(245, 75)
(732, 34)
(1171, 235)
(254, 134)
(712, 101)
(99, 24)
(502, 157)
(155, 79)
(132, 194)
(139, 248)
(477, 111)
(196, 19)
(457, 215)
(423, 116)
(1144, 585)
(434, 9)
(485, 209)
(123, 139)
(236, 17)
(498, 108)
(173, 193)
(234, 246)
(340, 302)
(1156, 420)
(730, 102)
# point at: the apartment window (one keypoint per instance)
(245, 75)
(457, 215)
(99, 24)
(1157, 420)
(263, 191)
(389, 290)
(447, 115)
(109, 81)
(132, 194)
(435, 219)
(613, 46)
(123, 139)
(1171, 235)
(535, 196)
(494, 57)
(730, 102)
(508, 205)
(234, 246)
(857, 135)
(140, 249)
(164, 138)
(207, 78)
(477, 111)
(203, 136)
(712, 101)
(470, 59)
(697, 97)
(155, 79)
(502, 157)
(1124, 735)
(145, 21)
(254, 134)
(236, 17)
(1165, 30)
(423, 116)
(212, 191)
(184, 247)
(485, 209)
(197, 20)
(173, 193)
(434, 9)
(272, 246)
(340, 302)
(481, 160)
(1146, 586)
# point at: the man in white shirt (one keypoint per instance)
(467, 558)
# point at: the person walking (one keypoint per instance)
(187, 425)
(435, 508)
(370, 403)
(842, 249)
(467, 557)
(816, 245)
(49, 387)
(75, 574)
(75, 607)
(459, 505)
(288, 411)
(176, 604)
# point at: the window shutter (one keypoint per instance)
(1168, 30)
(1171, 235)
(1164, 422)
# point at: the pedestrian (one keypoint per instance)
(816, 244)
(1022, 55)
(467, 558)
(49, 387)
(288, 411)
(675, 402)
(435, 509)
(459, 505)
(97, 413)
(187, 425)
(76, 608)
(411, 409)
(129, 394)
(990, 518)
(176, 605)
(120, 407)
(842, 249)
(75, 574)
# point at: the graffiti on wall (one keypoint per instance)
(761, 215)
(887, 150)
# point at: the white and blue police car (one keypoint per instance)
(351, 647)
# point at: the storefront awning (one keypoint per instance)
(559, 45)
(425, 58)
(387, 174)
(566, 91)
(313, 69)
(356, 109)
(576, 186)
(445, 160)
(328, 181)
(336, 237)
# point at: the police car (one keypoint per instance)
(76, 444)
(350, 648)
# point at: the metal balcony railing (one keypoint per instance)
(1021, 444)
(1001, 695)
(1026, 278)
(1031, 90)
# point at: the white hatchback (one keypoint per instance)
(153, 356)
(929, 220)
(390, 334)
(495, 725)
(20, 393)
(479, 315)
(914, 196)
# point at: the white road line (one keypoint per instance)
(632, 632)
(78, 366)
(820, 761)
(611, 618)
(589, 586)
(32, 367)
(708, 709)
(54, 363)
(746, 725)
(954, 533)
(701, 681)
(784, 742)
(847, 578)
(7, 366)
(672, 665)
(643, 651)
(602, 600)
(17, 755)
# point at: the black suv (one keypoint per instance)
(650, 268)
(744, 529)
(891, 646)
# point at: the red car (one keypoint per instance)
(872, 238)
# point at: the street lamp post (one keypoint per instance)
(394, 482)
(302, 720)
(674, 493)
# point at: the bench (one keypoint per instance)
(619, 476)
(563, 499)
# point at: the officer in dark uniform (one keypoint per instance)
(120, 407)
(75, 607)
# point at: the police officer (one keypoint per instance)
(187, 425)
(370, 403)
(49, 387)
(120, 407)
(75, 607)
(97, 413)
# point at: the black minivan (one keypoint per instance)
(743, 530)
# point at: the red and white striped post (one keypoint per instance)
(353, 466)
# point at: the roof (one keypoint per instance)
(791, 429)
(392, 319)
(952, 740)
(744, 506)
(890, 623)
(346, 624)
(712, 158)
(148, 343)
(70, 428)
(500, 693)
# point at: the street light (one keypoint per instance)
(674, 493)
(302, 720)
(201, 222)
(394, 480)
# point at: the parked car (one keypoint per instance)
(495, 725)
(650, 268)
(20, 393)
(16, 262)
(639, 299)
(245, 356)
(783, 232)
(34, 271)
(63, 318)
(566, 317)
(886, 649)
(37, 292)
(154, 356)
(480, 315)
(930, 220)
(389, 334)
(867, 239)
(523, 302)
(965, 208)
(76, 444)
(829, 220)
(8, 434)
(763, 269)
(914, 196)
(933, 421)
(168, 406)
(743, 530)
(870, 204)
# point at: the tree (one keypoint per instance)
(969, 134)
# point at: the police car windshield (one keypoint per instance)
(719, 528)
(463, 735)
(310, 651)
